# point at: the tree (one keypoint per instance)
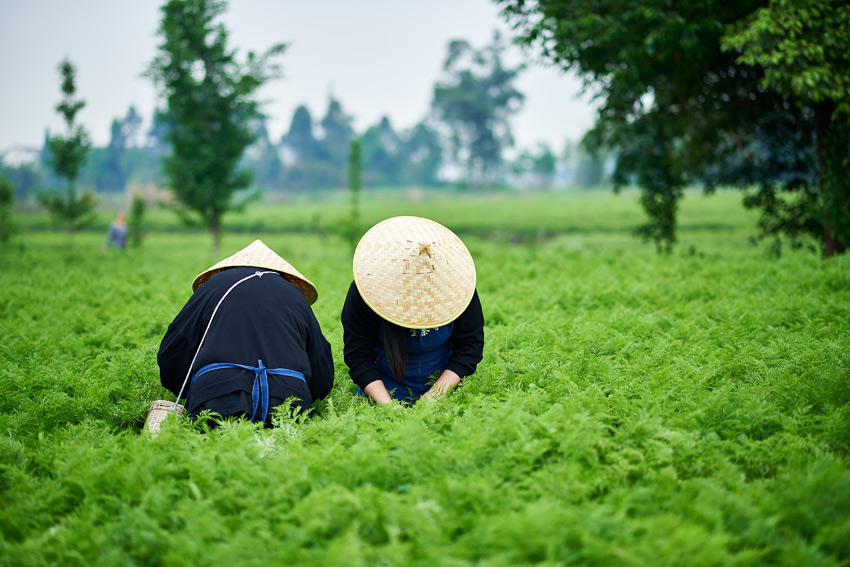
(114, 174)
(66, 155)
(475, 103)
(355, 167)
(675, 106)
(421, 156)
(804, 50)
(210, 103)
(136, 220)
(543, 164)
(26, 178)
(8, 227)
(337, 134)
(382, 160)
(266, 163)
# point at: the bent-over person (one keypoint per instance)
(247, 340)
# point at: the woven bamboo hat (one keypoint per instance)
(258, 255)
(414, 272)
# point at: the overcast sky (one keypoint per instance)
(376, 56)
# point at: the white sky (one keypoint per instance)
(376, 56)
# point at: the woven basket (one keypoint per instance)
(158, 413)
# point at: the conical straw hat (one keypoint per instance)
(414, 272)
(258, 255)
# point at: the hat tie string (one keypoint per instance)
(204, 336)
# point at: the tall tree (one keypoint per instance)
(421, 156)
(266, 163)
(113, 174)
(8, 227)
(543, 165)
(804, 49)
(382, 154)
(674, 105)
(66, 155)
(475, 102)
(210, 102)
(337, 133)
(355, 181)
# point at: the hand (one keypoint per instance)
(447, 381)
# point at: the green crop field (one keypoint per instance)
(631, 408)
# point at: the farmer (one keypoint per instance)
(117, 235)
(412, 322)
(247, 340)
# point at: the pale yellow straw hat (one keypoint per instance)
(258, 255)
(414, 272)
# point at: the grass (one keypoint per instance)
(631, 409)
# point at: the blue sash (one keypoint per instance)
(260, 391)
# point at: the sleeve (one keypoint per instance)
(178, 347)
(360, 327)
(321, 360)
(467, 339)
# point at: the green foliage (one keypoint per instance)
(355, 182)
(8, 226)
(475, 102)
(679, 106)
(66, 155)
(631, 409)
(114, 172)
(210, 98)
(136, 220)
(804, 49)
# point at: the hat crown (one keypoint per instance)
(414, 272)
(258, 255)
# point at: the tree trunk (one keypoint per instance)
(823, 119)
(215, 225)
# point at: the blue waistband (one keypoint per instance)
(260, 390)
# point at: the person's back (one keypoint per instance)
(263, 322)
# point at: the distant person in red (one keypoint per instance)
(247, 340)
(117, 235)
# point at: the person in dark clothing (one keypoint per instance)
(247, 340)
(413, 326)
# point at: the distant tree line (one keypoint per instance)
(305, 157)
(463, 140)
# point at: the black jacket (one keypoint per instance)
(360, 337)
(264, 318)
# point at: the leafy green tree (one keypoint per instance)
(475, 103)
(8, 227)
(210, 103)
(136, 220)
(66, 155)
(26, 178)
(673, 104)
(382, 154)
(114, 174)
(337, 133)
(543, 165)
(421, 156)
(266, 163)
(355, 182)
(803, 48)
